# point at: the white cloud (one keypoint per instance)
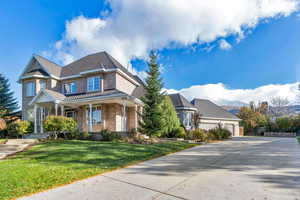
(223, 95)
(133, 27)
(224, 45)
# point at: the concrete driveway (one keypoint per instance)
(240, 169)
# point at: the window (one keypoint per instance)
(71, 113)
(96, 115)
(42, 84)
(93, 84)
(30, 89)
(187, 119)
(70, 88)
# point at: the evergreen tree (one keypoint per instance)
(8, 103)
(170, 119)
(152, 123)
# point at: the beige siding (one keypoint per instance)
(109, 81)
(25, 99)
(124, 85)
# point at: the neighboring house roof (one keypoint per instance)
(208, 109)
(180, 102)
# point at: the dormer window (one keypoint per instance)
(70, 88)
(30, 89)
(93, 84)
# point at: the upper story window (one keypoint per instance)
(42, 84)
(70, 88)
(93, 83)
(30, 89)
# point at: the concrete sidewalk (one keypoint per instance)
(13, 146)
(240, 169)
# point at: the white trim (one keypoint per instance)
(70, 77)
(128, 77)
(186, 108)
(39, 93)
(34, 76)
(92, 71)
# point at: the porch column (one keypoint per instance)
(62, 110)
(56, 109)
(124, 125)
(42, 119)
(90, 118)
(135, 117)
(103, 112)
(35, 118)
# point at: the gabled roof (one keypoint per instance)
(93, 62)
(180, 102)
(50, 67)
(89, 63)
(50, 94)
(208, 109)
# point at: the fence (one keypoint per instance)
(279, 134)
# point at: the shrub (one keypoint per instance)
(198, 134)
(179, 132)
(109, 136)
(75, 134)
(84, 135)
(20, 128)
(59, 124)
(219, 133)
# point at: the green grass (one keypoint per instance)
(2, 141)
(298, 138)
(60, 162)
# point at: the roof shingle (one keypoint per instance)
(180, 101)
(208, 109)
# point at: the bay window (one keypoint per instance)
(42, 84)
(30, 89)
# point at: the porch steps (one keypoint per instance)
(13, 146)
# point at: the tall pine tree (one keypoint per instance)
(152, 123)
(8, 103)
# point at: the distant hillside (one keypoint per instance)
(288, 110)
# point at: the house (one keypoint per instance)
(209, 114)
(96, 90)
(185, 110)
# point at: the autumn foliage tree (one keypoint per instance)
(251, 119)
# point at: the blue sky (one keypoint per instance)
(264, 63)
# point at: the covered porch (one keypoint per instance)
(118, 113)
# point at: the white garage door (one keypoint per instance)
(230, 127)
(208, 126)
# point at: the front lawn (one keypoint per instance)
(2, 141)
(60, 162)
(298, 138)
